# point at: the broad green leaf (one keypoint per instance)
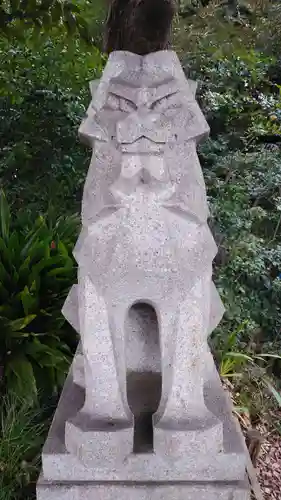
(15, 276)
(14, 247)
(62, 249)
(261, 356)
(5, 216)
(44, 264)
(240, 355)
(19, 335)
(5, 254)
(24, 269)
(232, 337)
(38, 249)
(21, 323)
(61, 376)
(226, 366)
(32, 239)
(67, 227)
(59, 271)
(4, 275)
(29, 302)
(21, 378)
(45, 355)
(232, 375)
(35, 287)
(47, 252)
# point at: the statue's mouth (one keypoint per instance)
(142, 146)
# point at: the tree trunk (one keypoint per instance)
(139, 26)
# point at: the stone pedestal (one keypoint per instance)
(133, 491)
(143, 414)
(144, 475)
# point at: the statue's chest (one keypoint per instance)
(151, 242)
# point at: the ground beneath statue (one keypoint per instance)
(269, 465)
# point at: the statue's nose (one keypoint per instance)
(136, 125)
(145, 113)
(146, 176)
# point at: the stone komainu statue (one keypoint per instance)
(145, 239)
(144, 306)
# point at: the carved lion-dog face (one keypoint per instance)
(143, 124)
(142, 113)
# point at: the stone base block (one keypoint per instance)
(47, 490)
(198, 441)
(59, 465)
(111, 444)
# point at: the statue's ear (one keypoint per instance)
(92, 129)
(93, 86)
(117, 63)
(193, 87)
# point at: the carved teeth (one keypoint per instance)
(144, 145)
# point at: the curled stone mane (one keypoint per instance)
(139, 26)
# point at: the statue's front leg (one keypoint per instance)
(183, 422)
(104, 423)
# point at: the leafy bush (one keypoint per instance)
(16, 17)
(43, 97)
(36, 272)
(240, 95)
(245, 205)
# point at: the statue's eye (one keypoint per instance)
(160, 105)
(113, 102)
(168, 102)
(120, 104)
(127, 106)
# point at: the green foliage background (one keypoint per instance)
(43, 97)
(238, 68)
